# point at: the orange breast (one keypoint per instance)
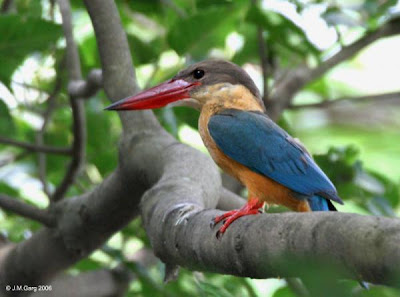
(259, 186)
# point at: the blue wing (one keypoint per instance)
(255, 141)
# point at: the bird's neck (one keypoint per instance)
(225, 95)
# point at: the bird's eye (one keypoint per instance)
(198, 73)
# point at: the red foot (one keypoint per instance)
(250, 208)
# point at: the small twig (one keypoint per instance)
(52, 6)
(51, 101)
(36, 148)
(78, 113)
(86, 88)
(26, 210)
(262, 51)
(263, 54)
(360, 99)
(284, 92)
(42, 163)
(347, 52)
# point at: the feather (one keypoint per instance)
(255, 141)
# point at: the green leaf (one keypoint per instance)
(88, 53)
(336, 16)
(207, 289)
(207, 29)
(21, 36)
(8, 190)
(188, 116)
(282, 31)
(321, 87)
(379, 206)
(102, 142)
(338, 163)
(146, 7)
(249, 51)
(392, 190)
(143, 52)
(31, 8)
(381, 291)
(7, 126)
(284, 292)
(87, 265)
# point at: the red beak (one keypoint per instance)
(156, 97)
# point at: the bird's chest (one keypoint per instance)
(236, 97)
(227, 164)
(210, 144)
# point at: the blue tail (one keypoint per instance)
(318, 203)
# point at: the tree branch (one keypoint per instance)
(51, 104)
(260, 246)
(78, 112)
(390, 28)
(26, 210)
(119, 80)
(262, 52)
(283, 93)
(36, 148)
(86, 88)
(85, 222)
(175, 202)
(359, 99)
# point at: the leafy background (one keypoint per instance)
(357, 145)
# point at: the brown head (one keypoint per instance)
(193, 86)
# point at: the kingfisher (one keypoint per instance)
(240, 137)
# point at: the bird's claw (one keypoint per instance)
(212, 223)
(252, 207)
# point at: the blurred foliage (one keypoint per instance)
(163, 37)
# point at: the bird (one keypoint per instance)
(242, 140)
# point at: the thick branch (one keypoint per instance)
(26, 210)
(36, 148)
(174, 208)
(78, 112)
(360, 99)
(84, 223)
(260, 246)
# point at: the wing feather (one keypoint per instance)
(255, 141)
